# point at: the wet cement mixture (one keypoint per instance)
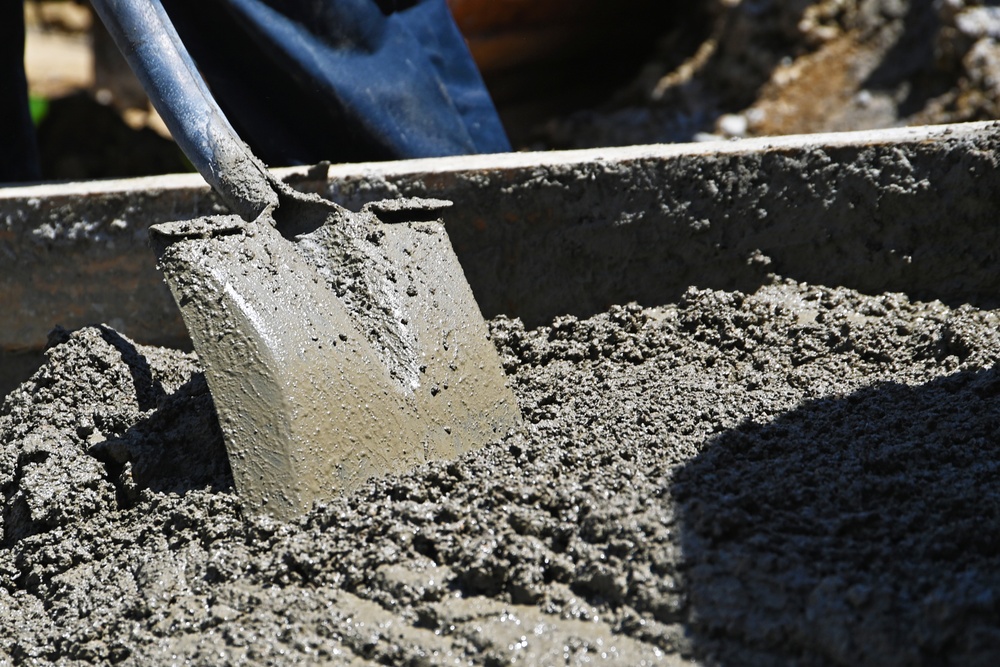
(802, 475)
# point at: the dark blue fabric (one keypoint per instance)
(307, 80)
(18, 150)
(341, 80)
(433, 27)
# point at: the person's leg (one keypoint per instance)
(430, 21)
(18, 148)
(340, 80)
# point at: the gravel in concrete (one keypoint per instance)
(803, 475)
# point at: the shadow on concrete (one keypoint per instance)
(178, 448)
(148, 390)
(862, 530)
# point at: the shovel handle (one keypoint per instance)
(146, 37)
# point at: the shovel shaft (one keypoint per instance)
(147, 38)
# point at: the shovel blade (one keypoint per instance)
(311, 404)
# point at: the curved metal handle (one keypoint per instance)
(147, 38)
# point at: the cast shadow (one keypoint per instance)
(148, 390)
(912, 61)
(179, 447)
(862, 530)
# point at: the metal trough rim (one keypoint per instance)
(11, 193)
(542, 234)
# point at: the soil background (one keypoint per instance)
(575, 75)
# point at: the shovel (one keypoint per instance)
(336, 346)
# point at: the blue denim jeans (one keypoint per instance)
(309, 80)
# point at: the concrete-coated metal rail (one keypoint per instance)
(543, 234)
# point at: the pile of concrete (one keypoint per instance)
(802, 474)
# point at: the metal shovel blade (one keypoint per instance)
(356, 350)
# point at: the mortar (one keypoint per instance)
(795, 473)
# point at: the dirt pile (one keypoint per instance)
(770, 67)
(799, 474)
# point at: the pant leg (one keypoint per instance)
(431, 23)
(18, 147)
(340, 80)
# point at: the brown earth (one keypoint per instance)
(768, 67)
(682, 72)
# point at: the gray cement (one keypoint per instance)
(798, 475)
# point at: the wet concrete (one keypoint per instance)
(798, 474)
